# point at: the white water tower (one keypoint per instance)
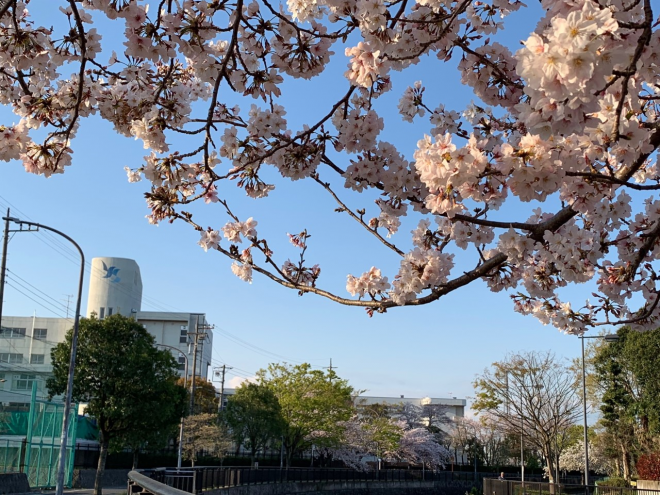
(115, 286)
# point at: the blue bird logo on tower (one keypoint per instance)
(111, 273)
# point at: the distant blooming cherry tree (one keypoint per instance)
(550, 179)
(366, 439)
(572, 459)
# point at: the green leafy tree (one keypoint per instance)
(203, 434)
(206, 401)
(254, 417)
(313, 404)
(627, 376)
(128, 384)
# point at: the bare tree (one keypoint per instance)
(485, 435)
(533, 395)
(202, 433)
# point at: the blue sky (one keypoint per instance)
(434, 350)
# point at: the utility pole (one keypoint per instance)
(222, 386)
(330, 368)
(194, 367)
(3, 265)
(68, 301)
(196, 334)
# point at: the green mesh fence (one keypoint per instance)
(30, 442)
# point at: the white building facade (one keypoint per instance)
(115, 287)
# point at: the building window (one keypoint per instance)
(40, 333)
(183, 338)
(24, 382)
(12, 333)
(101, 313)
(11, 358)
(36, 359)
(18, 407)
(109, 311)
(182, 363)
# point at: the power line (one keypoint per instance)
(253, 347)
(32, 299)
(36, 288)
(56, 309)
(58, 245)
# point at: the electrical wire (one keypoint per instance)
(68, 252)
(29, 394)
(31, 298)
(55, 301)
(17, 365)
(224, 333)
(54, 309)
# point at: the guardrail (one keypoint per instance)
(198, 479)
(507, 487)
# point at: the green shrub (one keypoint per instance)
(613, 481)
(475, 491)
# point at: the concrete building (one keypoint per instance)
(115, 287)
(25, 345)
(453, 408)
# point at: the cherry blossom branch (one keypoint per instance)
(646, 314)
(81, 85)
(613, 180)
(299, 29)
(4, 6)
(289, 141)
(504, 77)
(643, 251)
(18, 78)
(643, 41)
(344, 208)
(458, 11)
(221, 75)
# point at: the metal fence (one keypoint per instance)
(195, 480)
(32, 443)
(507, 487)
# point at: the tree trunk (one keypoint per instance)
(625, 461)
(100, 469)
(547, 452)
(136, 453)
(253, 455)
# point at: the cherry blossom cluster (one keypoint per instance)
(548, 178)
(389, 438)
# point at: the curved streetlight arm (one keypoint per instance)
(72, 360)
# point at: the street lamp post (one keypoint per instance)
(185, 377)
(554, 418)
(608, 338)
(522, 445)
(59, 487)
